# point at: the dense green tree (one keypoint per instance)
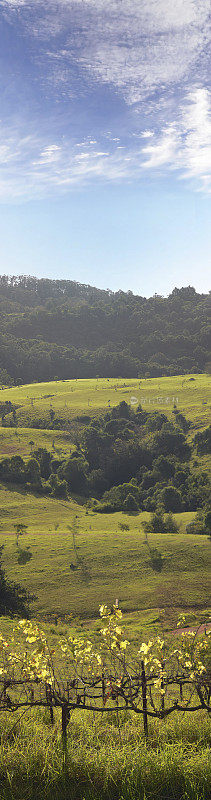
(74, 471)
(59, 487)
(203, 441)
(12, 470)
(207, 520)
(130, 504)
(33, 475)
(44, 459)
(171, 499)
(164, 466)
(168, 441)
(198, 525)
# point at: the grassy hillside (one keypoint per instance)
(70, 399)
(110, 562)
(113, 563)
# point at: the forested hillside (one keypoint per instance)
(62, 328)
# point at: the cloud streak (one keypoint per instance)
(186, 145)
(31, 166)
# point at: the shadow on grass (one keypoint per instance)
(14, 598)
(24, 555)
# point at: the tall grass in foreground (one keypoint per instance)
(105, 760)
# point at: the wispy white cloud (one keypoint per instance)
(135, 45)
(163, 151)
(147, 134)
(142, 46)
(148, 52)
(13, 3)
(186, 145)
(50, 154)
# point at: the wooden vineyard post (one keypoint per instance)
(65, 719)
(64, 723)
(162, 699)
(49, 702)
(144, 697)
(103, 688)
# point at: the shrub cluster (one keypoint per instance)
(201, 524)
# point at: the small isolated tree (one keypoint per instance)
(20, 529)
(123, 526)
(157, 521)
(130, 504)
(171, 524)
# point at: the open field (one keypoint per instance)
(113, 563)
(191, 393)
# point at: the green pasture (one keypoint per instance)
(74, 398)
(24, 440)
(107, 563)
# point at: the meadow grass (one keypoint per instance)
(107, 759)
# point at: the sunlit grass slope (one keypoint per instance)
(86, 397)
(109, 562)
(24, 440)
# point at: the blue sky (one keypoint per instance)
(105, 142)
